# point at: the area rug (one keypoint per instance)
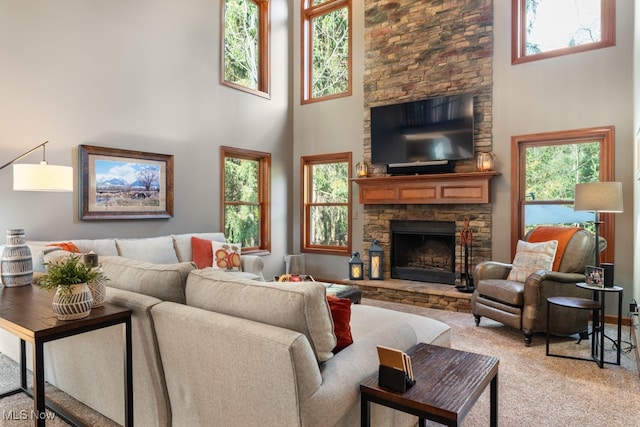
(533, 389)
(539, 390)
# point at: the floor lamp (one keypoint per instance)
(601, 196)
(40, 177)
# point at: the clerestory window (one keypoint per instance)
(245, 45)
(548, 28)
(326, 49)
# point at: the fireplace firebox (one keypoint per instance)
(423, 251)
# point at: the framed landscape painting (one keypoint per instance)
(124, 184)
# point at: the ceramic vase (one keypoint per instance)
(98, 290)
(72, 303)
(16, 264)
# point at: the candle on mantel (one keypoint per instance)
(484, 162)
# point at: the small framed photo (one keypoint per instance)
(594, 276)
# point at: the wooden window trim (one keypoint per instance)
(606, 136)
(518, 34)
(310, 12)
(264, 46)
(306, 190)
(264, 193)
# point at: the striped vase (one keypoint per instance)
(72, 303)
(16, 264)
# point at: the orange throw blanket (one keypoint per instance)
(561, 234)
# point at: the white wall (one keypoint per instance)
(141, 75)
(570, 92)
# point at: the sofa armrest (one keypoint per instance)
(252, 264)
(491, 270)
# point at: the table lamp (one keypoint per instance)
(600, 196)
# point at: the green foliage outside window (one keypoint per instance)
(330, 196)
(330, 53)
(242, 209)
(241, 44)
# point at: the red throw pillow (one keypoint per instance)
(67, 246)
(341, 313)
(201, 252)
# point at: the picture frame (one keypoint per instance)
(117, 184)
(594, 276)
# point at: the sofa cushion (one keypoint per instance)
(226, 256)
(66, 246)
(301, 307)
(341, 316)
(182, 243)
(163, 281)
(531, 257)
(159, 250)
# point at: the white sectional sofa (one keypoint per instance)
(212, 349)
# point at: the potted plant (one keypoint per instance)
(70, 277)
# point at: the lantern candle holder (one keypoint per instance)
(376, 257)
(356, 267)
(485, 162)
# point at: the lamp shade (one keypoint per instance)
(42, 177)
(601, 196)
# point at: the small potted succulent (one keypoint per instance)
(70, 277)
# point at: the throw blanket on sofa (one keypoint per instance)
(561, 234)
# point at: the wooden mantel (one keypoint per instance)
(444, 188)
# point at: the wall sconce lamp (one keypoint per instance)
(375, 261)
(356, 267)
(600, 196)
(41, 177)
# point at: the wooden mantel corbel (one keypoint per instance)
(443, 188)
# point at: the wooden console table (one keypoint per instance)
(442, 188)
(26, 312)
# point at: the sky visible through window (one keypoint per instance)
(555, 24)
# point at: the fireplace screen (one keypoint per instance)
(423, 251)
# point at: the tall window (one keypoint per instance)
(547, 28)
(245, 45)
(326, 49)
(326, 203)
(546, 169)
(246, 198)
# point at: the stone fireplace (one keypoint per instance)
(423, 251)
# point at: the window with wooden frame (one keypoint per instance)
(545, 169)
(326, 204)
(245, 184)
(245, 45)
(326, 49)
(542, 29)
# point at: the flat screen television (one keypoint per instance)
(427, 132)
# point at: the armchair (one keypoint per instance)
(522, 305)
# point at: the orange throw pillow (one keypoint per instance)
(67, 246)
(341, 313)
(202, 252)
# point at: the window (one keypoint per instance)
(326, 49)
(546, 168)
(245, 45)
(246, 198)
(326, 199)
(547, 28)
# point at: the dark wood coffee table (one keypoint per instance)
(448, 383)
(26, 312)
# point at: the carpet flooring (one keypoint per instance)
(534, 390)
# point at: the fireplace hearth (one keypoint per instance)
(423, 251)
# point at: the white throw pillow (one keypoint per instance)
(226, 256)
(531, 257)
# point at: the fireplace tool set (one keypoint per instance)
(466, 251)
